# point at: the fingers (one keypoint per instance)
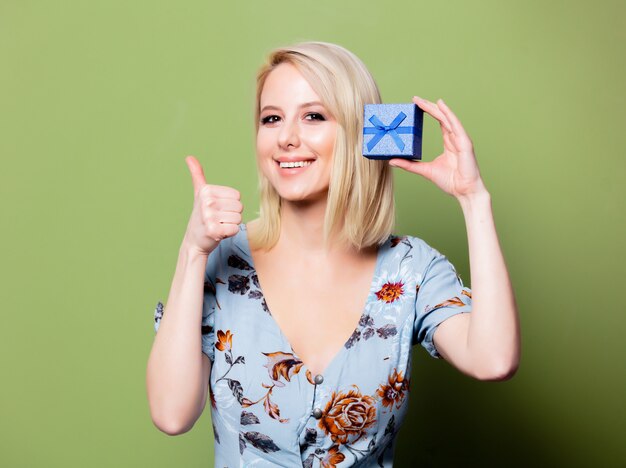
(433, 110)
(449, 142)
(453, 132)
(223, 204)
(455, 123)
(220, 216)
(416, 167)
(197, 174)
(462, 141)
(219, 191)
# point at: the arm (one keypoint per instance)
(178, 372)
(486, 343)
(177, 377)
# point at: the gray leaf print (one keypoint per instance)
(309, 439)
(217, 436)
(366, 320)
(372, 443)
(382, 453)
(248, 418)
(368, 333)
(240, 359)
(242, 443)
(158, 312)
(311, 435)
(255, 294)
(356, 336)
(229, 360)
(390, 425)
(255, 280)
(387, 331)
(236, 261)
(236, 388)
(238, 284)
(308, 463)
(261, 441)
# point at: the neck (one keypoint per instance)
(302, 225)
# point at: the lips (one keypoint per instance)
(296, 169)
(293, 159)
(289, 165)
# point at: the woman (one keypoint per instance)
(307, 315)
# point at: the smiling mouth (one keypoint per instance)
(295, 164)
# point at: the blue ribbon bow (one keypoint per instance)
(379, 130)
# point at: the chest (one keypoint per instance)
(316, 306)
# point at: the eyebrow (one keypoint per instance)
(306, 104)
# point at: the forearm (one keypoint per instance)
(174, 380)
(493, 336)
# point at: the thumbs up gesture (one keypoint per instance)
(216, 211)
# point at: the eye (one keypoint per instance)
(268, 119)
(314, 116)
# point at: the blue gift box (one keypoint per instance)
(392, 131)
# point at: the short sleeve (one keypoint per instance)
(209, 305)
(440, 295)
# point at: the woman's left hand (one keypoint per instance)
(455, 171)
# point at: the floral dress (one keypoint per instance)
(269, 410)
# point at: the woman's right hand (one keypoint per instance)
(216, 212)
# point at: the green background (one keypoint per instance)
(102, 100)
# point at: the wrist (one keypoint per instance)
(478, 198)
(192, 251)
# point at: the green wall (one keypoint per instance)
(100, 102)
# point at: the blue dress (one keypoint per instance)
(269, 410)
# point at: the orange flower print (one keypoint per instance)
(284, 365)
(272, 409)
(348, 415)
(390, 292)
(395, 240)
(212, 397)
(224, 340)
(332, 458)
(455, 301)
(393, 392)
(467, 293)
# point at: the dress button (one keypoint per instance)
(317, 413)
(318, 379)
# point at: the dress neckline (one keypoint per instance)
(243, 232)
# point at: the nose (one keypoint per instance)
(289, 135)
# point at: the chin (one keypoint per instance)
(302, 197)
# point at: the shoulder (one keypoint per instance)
(414, 257)
(419, 250)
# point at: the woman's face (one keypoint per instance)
(295, 129)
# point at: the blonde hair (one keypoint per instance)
(360, 207)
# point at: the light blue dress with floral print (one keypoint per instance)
(269, 410)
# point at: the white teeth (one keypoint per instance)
(296, 164)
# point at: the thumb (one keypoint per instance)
(197, 174)
(422, 168)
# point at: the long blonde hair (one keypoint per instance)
(360, 209)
